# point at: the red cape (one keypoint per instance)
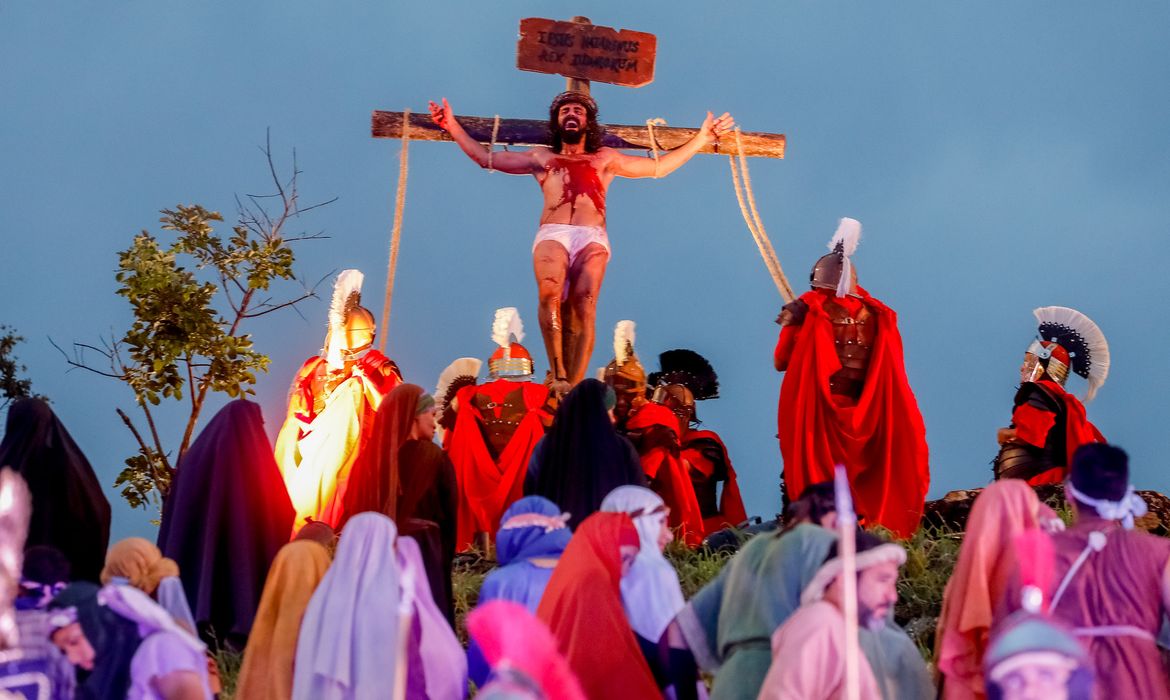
(731, 511)
(1033, 425)
(669, 475)
(881, 441)
(488, 487)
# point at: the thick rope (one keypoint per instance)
(755, 224)
(396, 231)
(492, 145)
(650, 124)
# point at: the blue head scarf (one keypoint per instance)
(532, 527)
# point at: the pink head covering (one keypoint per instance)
(511, 637)
(987, 558)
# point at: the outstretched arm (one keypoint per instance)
(511, 162)
(637, 166)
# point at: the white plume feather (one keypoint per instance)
(848, 235)
(507, 325)
(463, 367)
(600, 375)
(348, 283)
(623, 341)
(1095, 342)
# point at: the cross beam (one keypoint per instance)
(534, 132)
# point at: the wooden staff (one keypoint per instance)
(847, 549)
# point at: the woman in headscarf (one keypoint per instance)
(583, 458)
(137, 562)
(69, 510)
(267, 670)
(130, 646)
(226, 516)
(523, 655)
(651, 591)
(531, 539)
(582, 606)
(402, 474)
(1002, 511)
(354, 638)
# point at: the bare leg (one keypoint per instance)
(550, 262)
(584, 287)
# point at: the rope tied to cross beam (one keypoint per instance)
(492, 145)
(396, 230)
(742, 180)
(650, 124)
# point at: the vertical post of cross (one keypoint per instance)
(578, 84)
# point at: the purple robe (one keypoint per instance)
(1117, 587)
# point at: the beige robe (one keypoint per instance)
(808, 658)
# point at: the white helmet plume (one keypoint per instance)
(507, 325)
(848, 235)
(623, 341)
(347, 286)
(1082, 338)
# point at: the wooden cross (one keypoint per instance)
(582, 52)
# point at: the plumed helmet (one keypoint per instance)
(511, 359)
(625, 372)
(836, 270)
(1068, 339)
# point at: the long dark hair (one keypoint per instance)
(593, 130)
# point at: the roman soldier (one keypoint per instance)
(625, 375)
(332, 404)
(685, 465)
(461, 373)
(496, 426)
(1049, 423)
(845, 398)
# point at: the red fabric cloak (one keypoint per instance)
(731, 511)
(668, 474)
(488, 487)
(582, 607)
(1032, 426)
(881, 440)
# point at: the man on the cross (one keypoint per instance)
(571, 248)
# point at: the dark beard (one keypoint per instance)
(570, 137)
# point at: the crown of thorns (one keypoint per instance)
(574, 97)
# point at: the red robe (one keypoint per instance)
(881, 440)
(731, 512)
(668, 473)
(1033, 424)
(487, 486)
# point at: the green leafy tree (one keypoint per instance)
(191, 295)
(12, 385)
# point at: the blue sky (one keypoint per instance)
(1000, 155)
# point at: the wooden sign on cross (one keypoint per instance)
(582, 52)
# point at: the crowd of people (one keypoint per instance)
(326, 560)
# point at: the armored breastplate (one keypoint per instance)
(500, 420)
(1020, 460)
(853, 340)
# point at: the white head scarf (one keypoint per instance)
(651, 592)
(443, 659)
(136, 606)
(348, 645)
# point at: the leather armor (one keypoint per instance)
(500, 420)
(853, 338)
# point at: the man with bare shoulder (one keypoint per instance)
(572, 248)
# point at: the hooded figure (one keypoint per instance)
(980, 581)
(135, 643)
(69, 510)
(531, 539)
(226, 517)
(403, 475)
(583, 457)
(267, 670)
(582, 606)
(351, 645)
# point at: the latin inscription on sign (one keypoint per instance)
(586, 51)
